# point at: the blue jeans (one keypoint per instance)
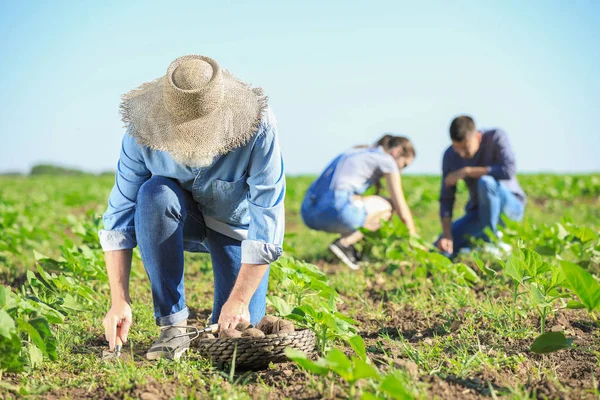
(333, 211)
(167, 221)
(493, 199)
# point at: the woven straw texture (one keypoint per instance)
(196, 112)
(255, 353)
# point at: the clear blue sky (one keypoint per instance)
(338, 74)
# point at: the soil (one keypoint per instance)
(577, 369)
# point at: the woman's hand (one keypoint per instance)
(235, 309)
(117, 322)
(233, 312)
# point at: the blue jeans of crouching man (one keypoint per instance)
(493, 200)
(167, 220)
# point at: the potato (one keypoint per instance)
(270, 324)
(283, 326)
(253, 332)
(242, 326)
(267, 324)
(209, 336)
(229, 333)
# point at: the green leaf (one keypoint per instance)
(39, 256)
(345, 318)
(35, 355)
(515, 268)
(363, 370)
(534, 263)
(370, 396)
(34, 335)
(340, 364)
(43, 328)
(71, 303)
(584, 234)
(562, 232)
(318, 367)
(583, 284)
(282, 307)
(467, 273)
(7, 324)
(394, 387)
(358, 345)
(549, 342)
(575, 305)
(482, 267)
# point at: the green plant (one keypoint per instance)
(585, 286)
(25, 335)
(550, 342)
(352, 369)
(309, 301)
(540, 280)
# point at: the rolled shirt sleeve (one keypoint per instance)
(266, 181)
(119, 229)
(447, 194)
(506, 168)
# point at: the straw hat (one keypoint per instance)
(197, 111)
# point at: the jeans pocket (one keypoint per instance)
(229, 199)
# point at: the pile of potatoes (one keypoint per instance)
(267, 326)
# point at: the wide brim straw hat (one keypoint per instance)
(196, 112)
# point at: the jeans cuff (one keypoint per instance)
(173, 319)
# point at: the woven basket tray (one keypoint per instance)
(255, 353)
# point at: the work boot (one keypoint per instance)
(173, 341)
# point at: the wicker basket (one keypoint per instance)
(255, 353)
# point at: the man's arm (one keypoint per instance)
(447, 191)
(506, 166)
(447, 198)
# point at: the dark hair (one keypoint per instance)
(388, 142)
(460, 127)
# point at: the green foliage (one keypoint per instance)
(584, 285)
(550, 342)
(25, 318)
(309, 301)
(38, 213)
(352, 369)
(542, 281)
(57, 288)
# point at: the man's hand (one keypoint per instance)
(446, 244)
(117, 322)
(453, 177)
(233, 312)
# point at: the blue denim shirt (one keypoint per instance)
(241, 194)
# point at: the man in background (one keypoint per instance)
(486, 162)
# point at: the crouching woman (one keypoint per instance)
(200, 170)
(335, 201)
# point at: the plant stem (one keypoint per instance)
(593, 315)
(543, 320)
(323, 339)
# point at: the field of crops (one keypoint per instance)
(409, 324)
